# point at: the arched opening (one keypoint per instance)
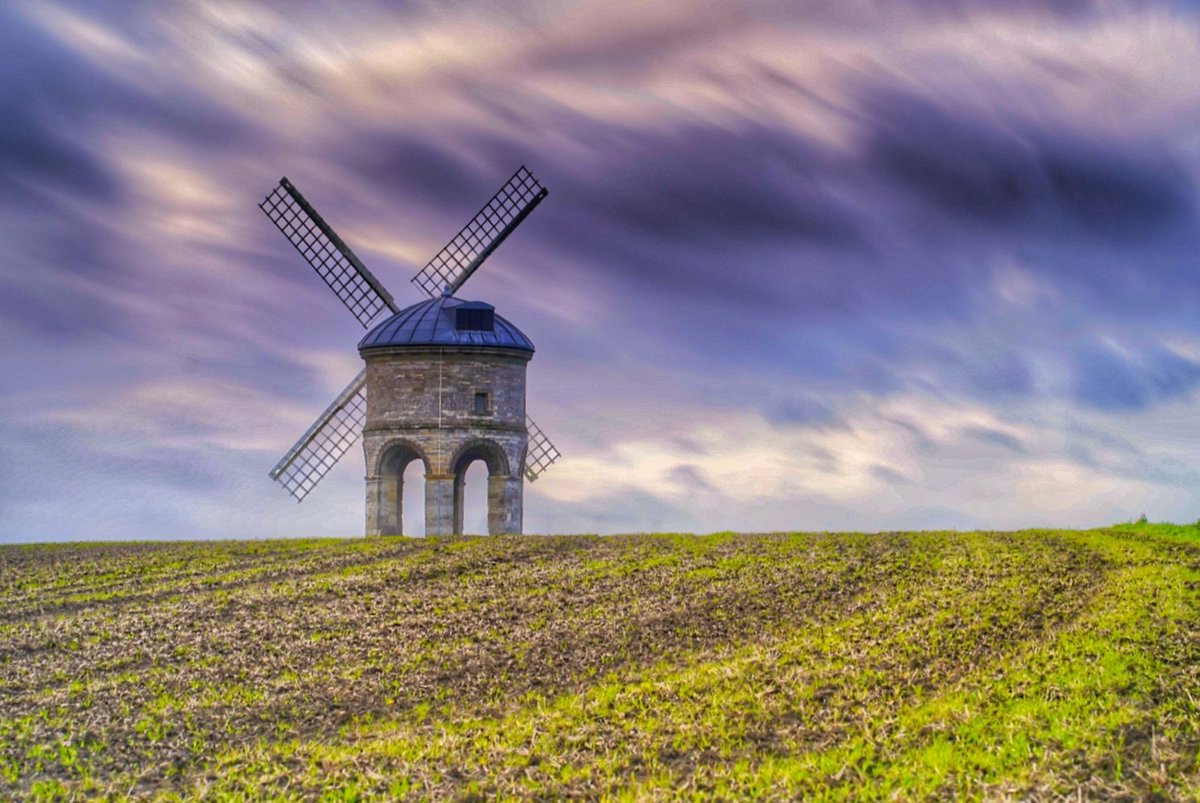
(478, 489)
(412, 495)
(471, 488)
(400, 462)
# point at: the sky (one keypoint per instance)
(803, 266)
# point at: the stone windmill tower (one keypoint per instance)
(444, 381)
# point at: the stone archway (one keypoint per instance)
(390, 478)
(503, 492)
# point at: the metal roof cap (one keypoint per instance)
(431, 323)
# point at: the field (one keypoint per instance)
(1030, 664)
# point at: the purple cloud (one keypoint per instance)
(889, 263)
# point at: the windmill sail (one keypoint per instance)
(467, 250)
(330, 437)
(541, 452)
(331, 258)
(340, 426)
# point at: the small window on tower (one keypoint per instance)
(475, 317)
(481, 403)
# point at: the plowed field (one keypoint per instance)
(987, 665)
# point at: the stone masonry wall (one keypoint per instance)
(423, 399)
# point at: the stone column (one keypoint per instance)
(374, 492)
(460, 498)
(393, 504)
(505, 502)
(439, 504)
(385, 498)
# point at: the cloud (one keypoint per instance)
(1010, 172)
(689, 477)
(35, 153)
(995, 437)
(805, 409)
(66, 482)
(912, 460)
(927, 265)
(410, 164)
(889, 475)
(192, 413)
(1110, 380)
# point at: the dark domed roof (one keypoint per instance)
(446, 321)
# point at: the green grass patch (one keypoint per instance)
(1038, 664)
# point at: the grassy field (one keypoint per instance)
(1030, 664)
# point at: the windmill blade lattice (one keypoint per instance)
(541, 452)
(330, 437)
(331, 258)
(463, 255)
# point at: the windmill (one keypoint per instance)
(444, 381)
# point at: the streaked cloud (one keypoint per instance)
(928, 264)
